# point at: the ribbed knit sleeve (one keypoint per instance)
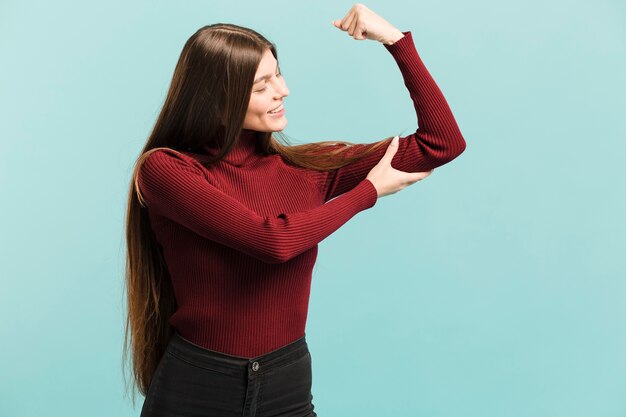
(436, 141)
(175, 186)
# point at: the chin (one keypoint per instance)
(283, 124)
(277, 128)
(272, 126)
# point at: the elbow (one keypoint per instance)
(268, 254)
(456, 148)
(440, 156)
(277, 254)
(270, 257)
(284, 249)
(276, 258)
(441, 149)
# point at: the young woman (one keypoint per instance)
(223, 222)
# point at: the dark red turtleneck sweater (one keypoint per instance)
(240, 238)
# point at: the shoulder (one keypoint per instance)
(168, 158)
(166, 164)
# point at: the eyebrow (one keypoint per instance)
(265, 77)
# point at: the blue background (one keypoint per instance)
(494, 288)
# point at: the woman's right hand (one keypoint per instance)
(388, 180)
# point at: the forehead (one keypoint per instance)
(268, 63)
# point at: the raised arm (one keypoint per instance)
(175, 186)
(436, 141)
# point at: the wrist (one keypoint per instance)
(393, 37)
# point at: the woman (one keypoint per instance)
(223, 222)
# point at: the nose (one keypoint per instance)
(282, 90)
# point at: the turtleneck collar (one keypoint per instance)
(244, 150)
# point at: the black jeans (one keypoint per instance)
(193, 381)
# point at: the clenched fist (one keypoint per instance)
(361, 23)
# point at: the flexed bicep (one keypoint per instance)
(436, 141)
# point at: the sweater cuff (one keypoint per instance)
(402, 46)
(367, 193)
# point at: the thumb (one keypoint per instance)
(336, 23)
(391, 149)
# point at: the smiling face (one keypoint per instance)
(268, 93)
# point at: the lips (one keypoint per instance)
(277, 109)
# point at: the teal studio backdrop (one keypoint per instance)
(496, 287)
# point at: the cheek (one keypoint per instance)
(257, 107)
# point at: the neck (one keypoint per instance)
(243, 149)
(246, 145)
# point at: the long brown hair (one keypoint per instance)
(205, 106)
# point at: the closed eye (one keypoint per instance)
(265, 88)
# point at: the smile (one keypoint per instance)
(276, 110)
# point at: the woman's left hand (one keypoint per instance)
(362, 23)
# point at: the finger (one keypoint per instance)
(353, 26)
(416, 176)
(391, 150)
(347, 20)
(339, 22)
(358, 33)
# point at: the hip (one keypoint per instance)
(193, 381)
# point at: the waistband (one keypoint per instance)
(235, 365)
